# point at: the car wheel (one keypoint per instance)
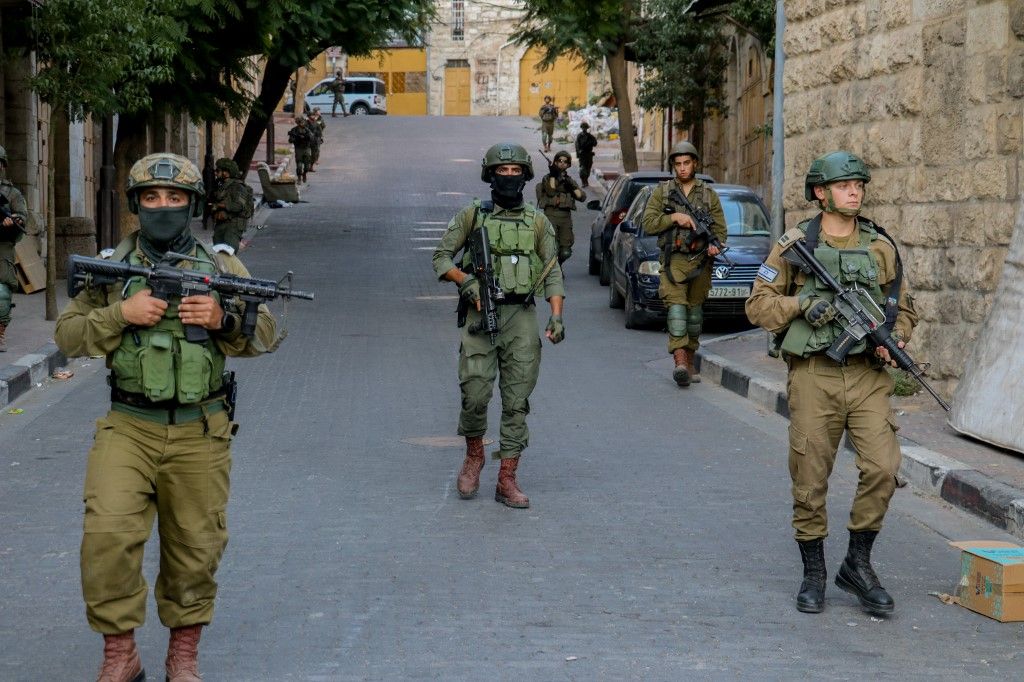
(360, 110)
(593, 265)
(605, 272)
(635, 317)
(615, 299)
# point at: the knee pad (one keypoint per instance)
(676, 323)
(694, 321)
(6, 303)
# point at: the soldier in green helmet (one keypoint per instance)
(827, 398)
(524, 254)
(164, 449)
(12, 229)
(557, 194)
(548, 114)
(301, 139)
(232, 205)
(685, 279)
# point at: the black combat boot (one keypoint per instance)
(812, 590)
(858, 578)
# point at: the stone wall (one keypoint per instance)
(931, 94)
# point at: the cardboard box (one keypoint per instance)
(992, 579)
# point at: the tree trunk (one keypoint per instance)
(620, 88)
(129, 148)
(272, 87)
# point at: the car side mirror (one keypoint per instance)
(628, 228)
(594, 205)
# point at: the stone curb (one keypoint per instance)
(930, 472)
(22, 375)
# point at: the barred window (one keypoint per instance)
(415, 81)
(458, 19)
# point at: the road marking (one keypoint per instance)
(423, 248)
(429, 229)
(451, 194)
(423, 239)
(435, 298)
(431, 222)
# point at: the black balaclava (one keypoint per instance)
(507, 190)
(165, 229)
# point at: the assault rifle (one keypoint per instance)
(5, 212)
(860, 315)
(482, 267)
(701, 236)
(165, 280)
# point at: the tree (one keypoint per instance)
(595, 32)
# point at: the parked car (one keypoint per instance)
(612, 209)
(363, 95)
(636, 272)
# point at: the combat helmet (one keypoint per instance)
(228, 165)
(833, 167)
(164, 169)
(504, 153)
(562, 154)
(683, 147)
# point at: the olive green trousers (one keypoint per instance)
(561, 220)
(515, 360)
(826, 399)
(139, 469)
(689, 294)
(230, 232)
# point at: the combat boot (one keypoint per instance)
(182, 664)
(681, 373)
(3, 338)
(811, 598)
(121, 661)
(857, 577)
(690, 367)
(508, 492)
(469, 477)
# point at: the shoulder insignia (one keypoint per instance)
(767, 273)
(223, 248)
(105, 254)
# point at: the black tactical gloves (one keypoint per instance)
(817, 311)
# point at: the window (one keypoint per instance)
(744, 215)
(458, 19)
(415, 81)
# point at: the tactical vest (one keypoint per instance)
(850, 267)
(562, 197)
(683, 240)
(513, 240)
(157, 361)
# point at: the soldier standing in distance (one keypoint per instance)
(316, 126)
(301, 138)
(164, 448)
(12, 229)
(232, 204)
(557, 195)
(826, 397)
(523, 249)
(548, 113)
(338, 88)
(685, 280)
(585, 143)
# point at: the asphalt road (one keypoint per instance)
(657, 546)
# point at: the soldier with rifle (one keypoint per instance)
(833, 292)
(13, 211)
(163, 451)
(509, 254)
(557, 194)
(687, 216)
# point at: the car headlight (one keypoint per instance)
(649, 267)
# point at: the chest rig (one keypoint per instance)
(513, 241)
(158, 362)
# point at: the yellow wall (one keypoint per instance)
(404, 70)
(564, 81)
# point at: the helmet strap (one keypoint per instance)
(828, 205)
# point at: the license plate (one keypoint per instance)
(729, 292)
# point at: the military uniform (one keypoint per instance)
(585, 143)
(317, 127)
(338, 88)
(685, 296)
(301, 137)
(557, 195)
(827, 398)
(9, 236)
(548, 113)
(232, 207)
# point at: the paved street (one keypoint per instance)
(657, 546)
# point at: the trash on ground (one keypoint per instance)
(992, 579)
(63, 374)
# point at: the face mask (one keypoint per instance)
(507, 190)
(162, 225)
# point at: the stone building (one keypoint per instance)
(931, 94)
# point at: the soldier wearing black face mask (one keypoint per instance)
(524, 254)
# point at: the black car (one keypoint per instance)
(635, 271)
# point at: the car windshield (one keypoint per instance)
(634, 187)
(744, 215)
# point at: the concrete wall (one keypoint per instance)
(931, 94)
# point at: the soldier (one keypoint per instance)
(12, 229)
(164, 448)
(685, 261)
(826, 397)
(548, 113)
(338, 88)
(524, 254)
(316, 126)
(301, 137)
(231, 205)
(585, 143)
(557, 195)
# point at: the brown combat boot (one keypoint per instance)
(681, 373)
(694, 377)
(121, 661)
(469, 477)
(508, 492)
(182, 664)
(3, 338)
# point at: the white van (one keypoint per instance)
(363, 95)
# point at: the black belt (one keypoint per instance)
(517, 299)
(142, 402)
